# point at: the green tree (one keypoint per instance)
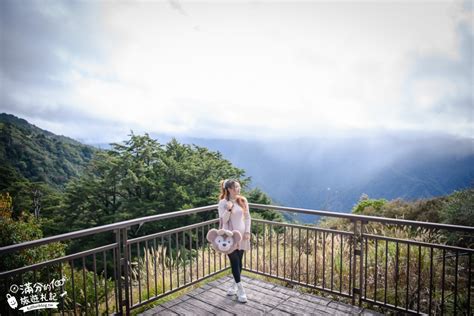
(142, 177)
(368, 206)
(459, 210)
(38, 198)
(25, 228)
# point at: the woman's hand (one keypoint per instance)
(246, 236)
(229, 206)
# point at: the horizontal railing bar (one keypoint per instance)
(152, 299)
(57, 260)
(363, 217)
(312, 228)
(104, 228)
(171, 231)
(109, 227)
(391, 306)
(419, 243)
(298, 283)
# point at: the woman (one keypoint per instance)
(234, 215)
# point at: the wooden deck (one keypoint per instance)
(263, 299)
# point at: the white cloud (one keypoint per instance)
(271, 69)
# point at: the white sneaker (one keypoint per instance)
(241, 296)
(232, 290)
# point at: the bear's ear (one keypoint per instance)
(241, 199)
(237, 236)
(211, 235)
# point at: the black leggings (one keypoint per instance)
(236, 263)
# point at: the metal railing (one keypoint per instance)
(406, 270)
(402, 272)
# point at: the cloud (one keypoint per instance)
(41, 46)
(177, 6)
(439, 88)
(36, 36)
(253, 70)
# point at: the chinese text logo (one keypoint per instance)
(34, 296)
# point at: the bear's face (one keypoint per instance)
(224, 241)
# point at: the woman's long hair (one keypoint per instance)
(225, 185)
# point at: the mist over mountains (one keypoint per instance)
(332, 173)
(328, 173)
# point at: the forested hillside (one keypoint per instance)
(39, 155)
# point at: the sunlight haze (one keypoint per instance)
(96, 70)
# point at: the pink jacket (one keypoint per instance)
(237, 219)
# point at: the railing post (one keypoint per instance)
(122, 266)
(126, 266)
(361, 263)
(358, 246)
(118, 271)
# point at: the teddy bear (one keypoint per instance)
(224, 240)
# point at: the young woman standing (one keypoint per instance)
(234, 215)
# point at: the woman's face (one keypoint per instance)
(235, 190)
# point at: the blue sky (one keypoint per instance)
(94, 70)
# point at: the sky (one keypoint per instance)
(96, 70)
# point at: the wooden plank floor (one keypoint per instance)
(263, 299)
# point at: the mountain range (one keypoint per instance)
(319, 173)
